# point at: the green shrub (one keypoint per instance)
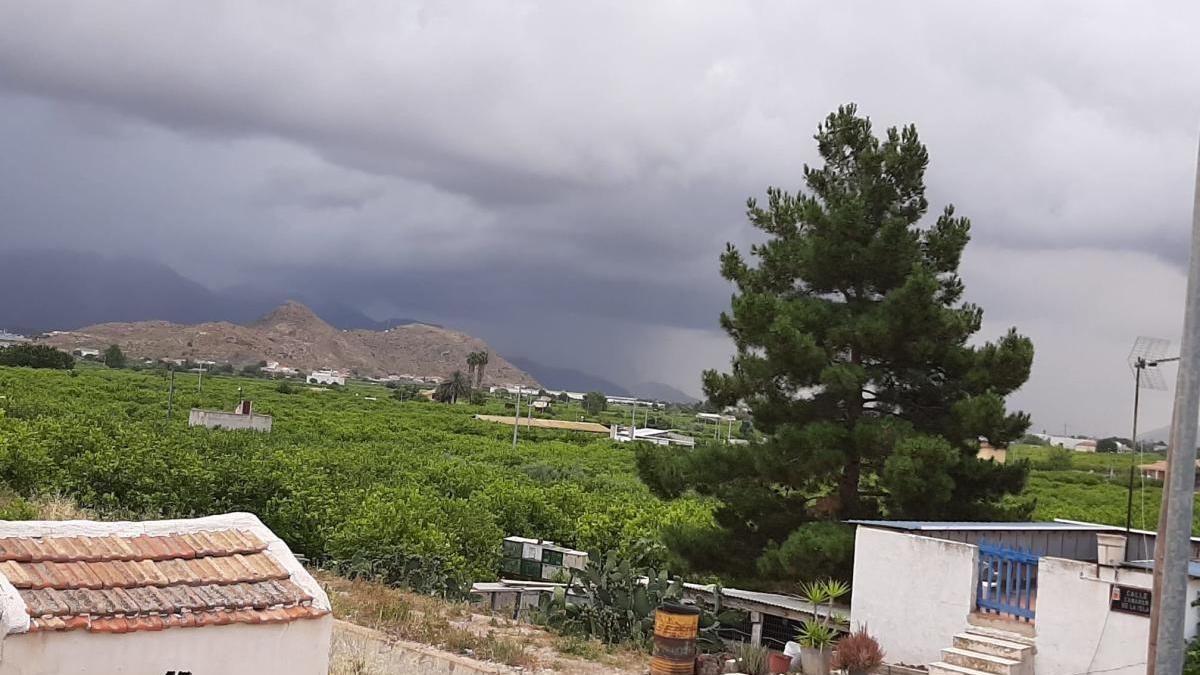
(1058, 459)
(36, 356)
(815, 550)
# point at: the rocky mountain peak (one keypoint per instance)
(292, 317)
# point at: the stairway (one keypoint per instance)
(986, 651)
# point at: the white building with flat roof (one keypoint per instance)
(326, 377)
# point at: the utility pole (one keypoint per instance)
(1172, 546)
(1135, 458)
(517, 418)
(200, 380)
(633, 420)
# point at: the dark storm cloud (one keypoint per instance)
(505, 166)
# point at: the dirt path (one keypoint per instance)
(365, 651)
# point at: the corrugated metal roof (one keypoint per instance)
(941, 526)
(1193, 566)
(789, 602)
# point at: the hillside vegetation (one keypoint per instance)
(413, 492)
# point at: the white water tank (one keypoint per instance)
(1110, 549)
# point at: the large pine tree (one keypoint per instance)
(854, 355)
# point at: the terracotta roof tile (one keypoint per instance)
(11, 549)
(111, 584)
(16, 575)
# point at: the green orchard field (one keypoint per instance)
(1092, 487)
(415, 492)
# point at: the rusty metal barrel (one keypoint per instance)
(675, 630)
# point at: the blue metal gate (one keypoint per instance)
(1007, 581)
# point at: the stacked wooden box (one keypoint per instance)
(539, 560)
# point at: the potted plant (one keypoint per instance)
(816, 646)
(817, 635)
(858, 653)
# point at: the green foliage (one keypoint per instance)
(1191, 658)
(812, 551)
(1058, 459)
(114, 357)
(594, 402)
(619, 601)
(855, 354)
(36, 356)
(412, 493)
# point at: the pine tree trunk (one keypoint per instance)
(848, 502)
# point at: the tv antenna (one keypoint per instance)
(1144, 358)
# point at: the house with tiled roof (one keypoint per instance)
(220, 594)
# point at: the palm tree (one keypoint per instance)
(472, 366)
(451, 389)
(481, 361)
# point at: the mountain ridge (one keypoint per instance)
(297, 337)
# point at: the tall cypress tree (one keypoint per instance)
(853, 355)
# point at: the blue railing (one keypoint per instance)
(1007, 581)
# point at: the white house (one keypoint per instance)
(326, 377)
(220, 594)
(86, 353)
(273, 368)
(1008, 598)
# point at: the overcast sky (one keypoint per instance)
(559, 177)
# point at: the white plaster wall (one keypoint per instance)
(228, 420)
(300, 648)
(914, 593)
(1076, 630)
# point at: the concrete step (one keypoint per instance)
(943, 668)
(997, 665)
(986, 644)
(1025, 637)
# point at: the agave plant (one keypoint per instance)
(821, 631)
(815, 634)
